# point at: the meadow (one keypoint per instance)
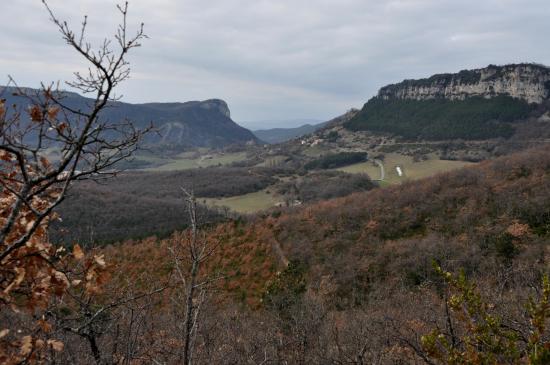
(411, 170)
(246, 203)
(188, 160)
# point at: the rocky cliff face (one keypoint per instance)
(219, 105)
(529, 82)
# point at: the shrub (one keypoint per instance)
(485, 338)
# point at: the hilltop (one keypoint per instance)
(480, 104)
(178, 126)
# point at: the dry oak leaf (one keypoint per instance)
(19, 278)
(76, 282)
(45, 326)
(39, 344)
(61, 127)
(77, 252)
(61, 278)
(26, 346)
(52, 112)
(56, 345)
(5, 156)
(100, 260)
(35, 113)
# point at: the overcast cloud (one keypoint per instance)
(280, 59)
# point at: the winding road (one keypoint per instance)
(382, 172)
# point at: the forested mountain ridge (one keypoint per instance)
(190, 124)
(476, 104)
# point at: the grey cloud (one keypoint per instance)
(283, 59)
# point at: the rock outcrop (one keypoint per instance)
(220, 105)
(529, 82)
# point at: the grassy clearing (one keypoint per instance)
(248, 203)
(186, 161)
(411, 170)
(273, 161)
(362, 168)
(315, 151)
(225, 159)
(183, 164)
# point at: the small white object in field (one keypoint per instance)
(399, 171)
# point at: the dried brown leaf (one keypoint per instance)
(35, 112)
(77, 252)
(45, 326)
(26, 346)
(100, 260)
(52, 112)
(56, 345)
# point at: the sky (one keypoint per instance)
(278, 62)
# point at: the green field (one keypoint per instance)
(264, 199)
(411, 170)
(187, 161)
(248, 203)
(273, 161)
(362, 168)
(315, 151)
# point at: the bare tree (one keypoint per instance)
(189, 251)
(95, 315)
(33, 183)
(88, 146)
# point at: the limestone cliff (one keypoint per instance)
(529, 82)
(218, 104)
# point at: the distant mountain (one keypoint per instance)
(471, 104)
(255, 125)
(278, 135)
(340, 120)
(190, 124)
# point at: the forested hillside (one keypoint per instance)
(471, 210)
(177, 125)
(479, 104)
(442, 119)
(355, 277)
(141, 204)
